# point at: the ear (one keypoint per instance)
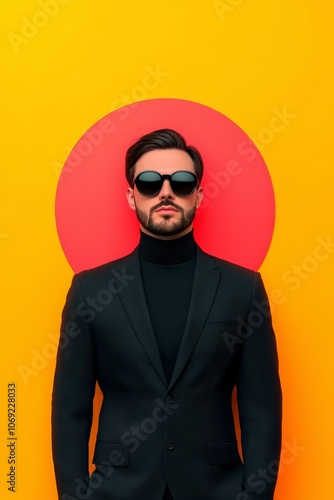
(199, 196)
(131, 199)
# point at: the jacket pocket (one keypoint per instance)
(107, 453)
(223, 452)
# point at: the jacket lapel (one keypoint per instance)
(206, 279)
(134, 302)
(205, 285)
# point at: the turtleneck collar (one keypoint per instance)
(167, 251)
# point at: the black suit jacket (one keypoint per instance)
(151, 431)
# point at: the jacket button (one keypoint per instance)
(170, 399)
(170, 445)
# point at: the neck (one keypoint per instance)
(166, 238)
(172, 251)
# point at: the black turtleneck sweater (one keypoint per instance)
(167, 268)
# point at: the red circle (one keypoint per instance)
(94, 222)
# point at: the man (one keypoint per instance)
(167, 332)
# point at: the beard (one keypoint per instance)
(166, 227)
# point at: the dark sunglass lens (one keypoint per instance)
(148, 183)
(183, 183)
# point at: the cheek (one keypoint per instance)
(144, 204)
(189, 203)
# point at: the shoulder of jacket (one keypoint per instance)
(109, 266)
(227, 266)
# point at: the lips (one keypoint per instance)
(166, 208)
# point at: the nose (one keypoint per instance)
(166, 191)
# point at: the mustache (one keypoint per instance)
(166, 203)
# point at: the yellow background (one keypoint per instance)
(242, 58)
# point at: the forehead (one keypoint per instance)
(164, 161)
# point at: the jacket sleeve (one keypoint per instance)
(259, 399)
(72, 398)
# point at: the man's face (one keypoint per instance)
(166, 215)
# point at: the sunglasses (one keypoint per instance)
(182, 182)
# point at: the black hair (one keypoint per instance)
(160, 139)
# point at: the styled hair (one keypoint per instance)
(160, 139)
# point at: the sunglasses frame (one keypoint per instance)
(162, 179)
